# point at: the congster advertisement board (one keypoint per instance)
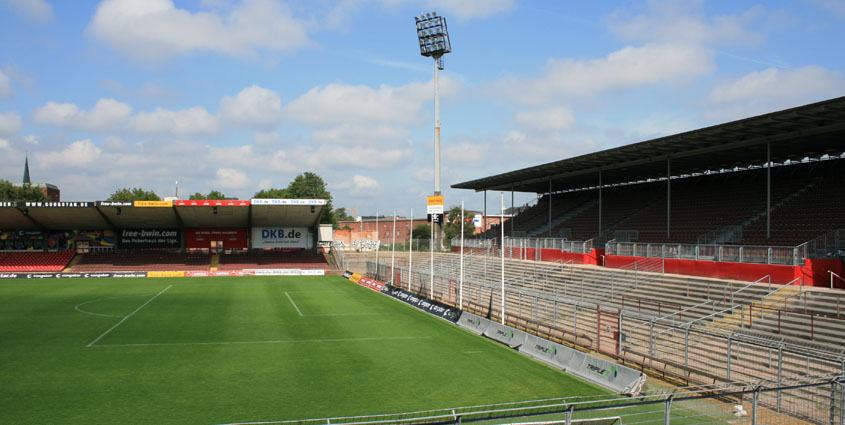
(281, 237)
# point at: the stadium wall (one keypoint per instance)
(813, 272)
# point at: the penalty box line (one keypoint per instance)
(91, 344)
(299, 341)
(327, 314)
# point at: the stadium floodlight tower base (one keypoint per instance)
(434, 42)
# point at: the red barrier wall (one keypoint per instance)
(816, 272)
(593, 258)
(721, 270)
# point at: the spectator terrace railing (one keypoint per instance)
(783, 255)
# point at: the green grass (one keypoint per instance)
(219, 350)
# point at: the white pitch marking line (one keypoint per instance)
(345, 314)
(166, 344)
(127, 316)
(102, 299)
(472, 352)
(294, 304)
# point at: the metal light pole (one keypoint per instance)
(434, 42)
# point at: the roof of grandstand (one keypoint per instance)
(161, 214)
(810, 131)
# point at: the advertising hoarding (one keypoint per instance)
(281, 237)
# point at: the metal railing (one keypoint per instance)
(754, 401)
(690, 351)
(823, 246)
(782, 255)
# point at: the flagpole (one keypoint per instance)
(393, 251)
(502, 250)
(431, 269)
(378, 244)
(411, 252)
(461, 282)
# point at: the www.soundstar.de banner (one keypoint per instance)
(433, 307)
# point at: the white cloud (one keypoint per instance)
(341, 103)
(254, 106)
(4, 144)
(355, 133)
(629, 67)
(78, 154)
(773, 89)
(10, 124)
(106, 115)
(230, 178)
(683, 21)
(266, 138)
(359, 186)
(36, 10)
(5, 86)
(466, 154)
(329, 157)
(835, 6)
(186, 122)
(465, 9)
(546, 119)
(31, 140)
(156, 29)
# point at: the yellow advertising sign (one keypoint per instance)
(355, 277)
(435, 200)
(153, 204)
(165, 274)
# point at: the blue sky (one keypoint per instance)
(239, 96)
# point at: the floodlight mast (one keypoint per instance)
(434, 42)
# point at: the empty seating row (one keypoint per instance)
(35, 261)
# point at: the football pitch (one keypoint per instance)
(242, 349)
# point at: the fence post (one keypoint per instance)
(686, 346)
(730, 345)
(619, 333)
(651, 337)
(569, 411)
(754, 406)
(780, 374)
(667, 406)
(833, 402)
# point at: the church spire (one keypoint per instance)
(26, 171)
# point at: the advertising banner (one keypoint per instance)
(473, 323)
(371, 283)
(288, 201)
(281, 237)
(69, 275)
(619, 378)
(166, 274)
(114, 203)
(232, 238)
(431, 307)
(150, 238)
(153, 204)
(211, 203)
(55, 204)
(544, 350)
(505, 334)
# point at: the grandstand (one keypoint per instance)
(162, 236)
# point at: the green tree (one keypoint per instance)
(271, 194)
(452, 228)
(307, 185)
(214, 195)
(422, 232)
(26, 192)
(342, 215)
(134, 194)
